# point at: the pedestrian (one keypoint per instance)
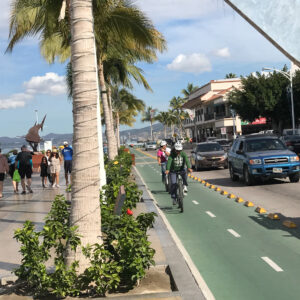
(67, 153)
(44, 171)
(13, 172)
(55, 167)
(4, 168)
(24, 166)
(49, 175)
(162, 159)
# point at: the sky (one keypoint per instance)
(206, 40)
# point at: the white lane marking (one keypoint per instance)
(210, 214)
(234, 233)
(195, 202)
(272, 264)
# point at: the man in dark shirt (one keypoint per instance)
(67, 153)
(24, 165)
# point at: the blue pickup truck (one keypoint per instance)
(262, 157)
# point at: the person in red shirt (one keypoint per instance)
(162, 159)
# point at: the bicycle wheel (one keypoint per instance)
(180, 194)
(166, 183)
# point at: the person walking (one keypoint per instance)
(44, 171)
(49, 175)
(162, 159)
(24, 165)
(55, 167)
(67, 153)
(4, 168)
(12, 169)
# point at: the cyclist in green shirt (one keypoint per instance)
(176, 163)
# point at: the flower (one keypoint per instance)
(129, 212)
(116, 162)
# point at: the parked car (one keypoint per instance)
(208, 155)
(292, 142)
(150, 146)
(226, 144)
(262, 157)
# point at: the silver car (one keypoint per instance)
(150, 146)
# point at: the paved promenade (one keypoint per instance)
(15, 210)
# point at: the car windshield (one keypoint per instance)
(152, 143)
(292, 137)
(209, 147)
(223, 142)
(264, 145)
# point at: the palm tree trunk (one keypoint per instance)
(111, 139)
(85, 209)
(118, 129)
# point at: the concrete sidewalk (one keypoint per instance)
(170, 279)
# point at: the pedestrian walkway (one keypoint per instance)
(15, 209)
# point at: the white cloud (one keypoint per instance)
(50, 83)
(14, 101)
(194, 63)
(223, 52)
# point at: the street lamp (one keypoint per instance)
(289, 76)
(233, 122)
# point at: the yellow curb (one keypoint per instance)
(273, 217)
(207, 184)
(249, 204)
(217, 189)
(289, 224)
(224, 193)
(203, 181)
(260, 210)
(212, 186)
(231, 196)
(200, 180)
(196, 178)
(189, 175)
(239, 200)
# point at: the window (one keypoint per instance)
(241, 146)
(209, 147)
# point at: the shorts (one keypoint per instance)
(12, 170)
(25, 171)
(68, 166)
(1, 176)
(54, 169)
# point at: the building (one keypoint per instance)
(213, 117)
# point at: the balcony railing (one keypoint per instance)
(208, 117)
(222, 115)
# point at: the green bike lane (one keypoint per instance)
(239, 253)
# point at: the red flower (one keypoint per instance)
(129, 212)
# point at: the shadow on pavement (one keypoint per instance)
(20, 222)
(8, 266)
(158, 192)
(263, 220)
(170, 210)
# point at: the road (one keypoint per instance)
(240, 254)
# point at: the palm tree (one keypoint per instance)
(149, 116)
(164, 118)
(85, 209)
(230, 75)
(119, 28)
(125, 107)
(176, 106)
(189, 90)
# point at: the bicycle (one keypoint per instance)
(167, 183)
(179, 190)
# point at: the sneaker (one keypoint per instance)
(30, 191)
(23, 193)
(53, 185)
(16, 192)
(185, 190)
(58, 185)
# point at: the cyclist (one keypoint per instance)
(176, 163)
(162, 159)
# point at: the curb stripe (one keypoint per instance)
(234, 233)
(195, 202)
(210, 214)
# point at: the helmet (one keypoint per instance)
(163, 143)
(178, 146)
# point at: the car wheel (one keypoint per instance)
(232, 175)
(294, 177)
(248, 179)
